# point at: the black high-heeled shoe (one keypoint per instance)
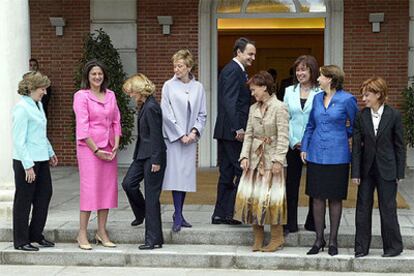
(315, 249)
(333, 250)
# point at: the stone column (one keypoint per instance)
(14, 57)
(334, 32)
(207, 143)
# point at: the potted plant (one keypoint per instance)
(98, 45)
(408, 120)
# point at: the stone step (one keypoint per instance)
(6, 195)
(206, 234)
(6, 211)
(207, 256)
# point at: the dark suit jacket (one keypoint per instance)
(283, 85)
(233, 102)
(387, 149)
(150, 142)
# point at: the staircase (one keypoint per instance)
(206, 246)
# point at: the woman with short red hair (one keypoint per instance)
(378, 162)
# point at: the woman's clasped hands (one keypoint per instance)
(188, 139)
(106, 155)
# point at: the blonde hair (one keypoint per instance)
(185, 55)
(139, 83)
(32, 81)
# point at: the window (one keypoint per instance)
(270, 6)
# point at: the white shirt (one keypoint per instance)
(239, 131)
(376, 117)
(239, 63)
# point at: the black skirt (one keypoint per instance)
(327, 181)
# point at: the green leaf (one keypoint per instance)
(408, 118)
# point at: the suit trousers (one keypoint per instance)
(36, 194)
(390, 229)
(230, 173)
(293, 176)
(149, 207)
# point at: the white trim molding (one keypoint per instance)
(15, 55)
(204, 74)
(334, 32)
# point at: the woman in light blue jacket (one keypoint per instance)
(298, 99)
(32, 154)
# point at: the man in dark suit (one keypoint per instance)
(149, 161)
(34, 66)
(285, 83)
(378, 161)
(232, 115)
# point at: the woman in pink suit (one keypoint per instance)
(98, 130)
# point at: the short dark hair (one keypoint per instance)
(241, 44)
(311, 63)
(263, 78)
(336, 75)
(33, 59)
(273, 72)
(85, 74)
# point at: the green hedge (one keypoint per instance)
(408, 119)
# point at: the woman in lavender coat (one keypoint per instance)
(183, 105)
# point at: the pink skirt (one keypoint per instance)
(98, 180)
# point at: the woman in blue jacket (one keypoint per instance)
(299, 98)
(32, 154)
(325, 148)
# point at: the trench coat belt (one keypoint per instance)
(261, 149)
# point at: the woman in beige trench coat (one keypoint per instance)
(261, 195)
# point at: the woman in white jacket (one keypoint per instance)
(183, 105)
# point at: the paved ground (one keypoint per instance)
(7, 270)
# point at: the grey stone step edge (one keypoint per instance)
(208, 256)
(207, 234)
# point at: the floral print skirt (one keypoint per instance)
(261, 198)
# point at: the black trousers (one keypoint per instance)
(390, 228)
(294, 173)
(36, 194)
(150, 206)
(230, 173)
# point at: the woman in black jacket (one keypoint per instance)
(149, 161)
(378, 161)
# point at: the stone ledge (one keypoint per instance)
(206, 234)
(6, 195)
(208, 256)
(6, 211)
